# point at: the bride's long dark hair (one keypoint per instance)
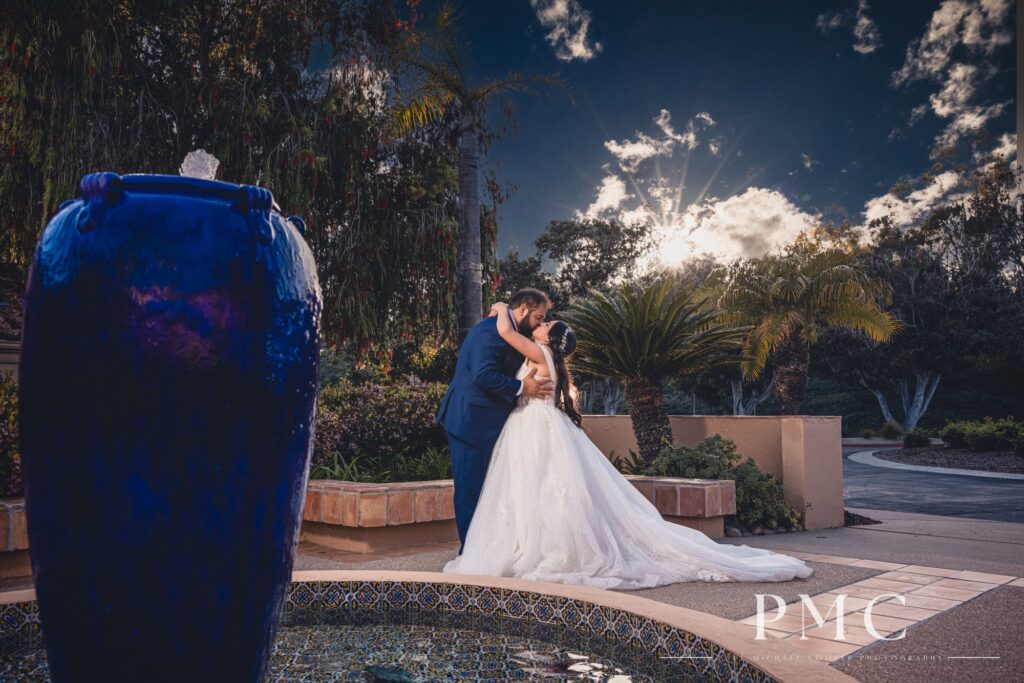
(562, 341)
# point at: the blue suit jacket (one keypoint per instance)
(483, 391)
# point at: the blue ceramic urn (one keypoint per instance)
(168, 391)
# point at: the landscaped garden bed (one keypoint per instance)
(956, 458)
(987, 445)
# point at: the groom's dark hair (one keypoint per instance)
(529, 296)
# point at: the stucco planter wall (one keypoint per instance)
(804, 452)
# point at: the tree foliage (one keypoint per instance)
(575, 257)
(956, 283)
(789, 298)
(641, 334)
(290, 96)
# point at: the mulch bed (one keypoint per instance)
(957, 458)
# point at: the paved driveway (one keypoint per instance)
(883, 488)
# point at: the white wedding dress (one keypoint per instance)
(553, 508)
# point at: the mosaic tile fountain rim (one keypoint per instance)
(717, 651)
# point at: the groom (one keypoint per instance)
(481, 396)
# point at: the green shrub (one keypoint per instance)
(759, 500)
(955, 434)
(342, 469)
(10, 452)
(890, 430)
(984, 435)
(428, 465)
(712, 458)
(916, 438)
(388, 426)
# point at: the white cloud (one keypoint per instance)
(610, 196)
(907, 211)
(808, 161)
(865, 32)
(980, 28)
(744, 225)
(945, 188)
(1005, 149)
(747, 224)
(567, 24)
(631, 153)
(829, 21)
(705, 118)
(866, 37)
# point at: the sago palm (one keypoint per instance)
(640, 334)
(788, 299)
(439, 89)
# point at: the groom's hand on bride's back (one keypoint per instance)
(536, 388)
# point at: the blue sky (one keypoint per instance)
(732, 125)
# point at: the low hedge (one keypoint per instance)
(985, 435)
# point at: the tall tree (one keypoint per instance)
(577, 256)
(789, 298)
(591, 253)
(440, 88)
(956, 285)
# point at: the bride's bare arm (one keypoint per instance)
(523, 345)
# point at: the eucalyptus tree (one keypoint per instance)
(788, 298)
(641, 334)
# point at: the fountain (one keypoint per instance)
(168, 388)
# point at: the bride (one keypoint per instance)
(553, 508)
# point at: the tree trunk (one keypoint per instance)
(792, 360)
(883, 402)
(757, 396)
(469, 292)
(647, 412)
(926, 382)
(613, 396)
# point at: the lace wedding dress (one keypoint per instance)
(553, 508)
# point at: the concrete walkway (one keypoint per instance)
(909, 538)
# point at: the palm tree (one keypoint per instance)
(441, 90)
(789, 299)
(639, 334)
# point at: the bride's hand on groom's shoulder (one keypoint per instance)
(497, 307)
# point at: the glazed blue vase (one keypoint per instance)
(168, 390)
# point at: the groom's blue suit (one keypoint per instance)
(474, 409)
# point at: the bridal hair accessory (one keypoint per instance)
(562, 343)
(566, 343)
